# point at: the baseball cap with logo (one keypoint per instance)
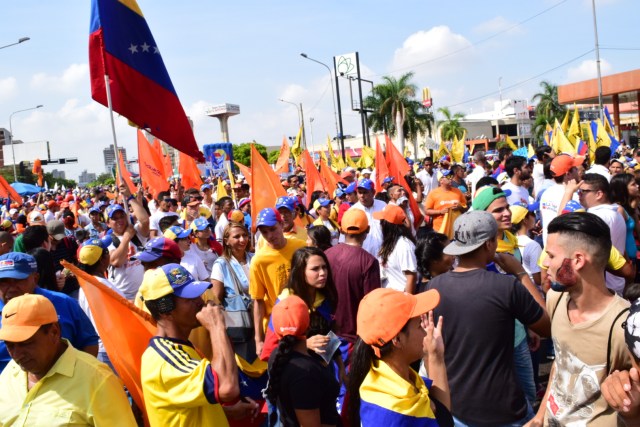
(176, 232)
(351, 188)
(16, 265)
(354, 221)
(35, 218)
(268, 217)
(383, 313)
(291, 317)
(470, 231)
(367, 184)
(91, 251)
(391, 213)
(112, 209)
(159, 247)
(321, 203)
(171, 279)
(286, 202)
(572, 206)
(562, 163)
(199, 224)
(24, 315)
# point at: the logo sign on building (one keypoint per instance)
(346, 65)
(427, 101)
(521, 110)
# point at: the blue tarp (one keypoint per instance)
(26, 189)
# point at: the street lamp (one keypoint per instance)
(333, 92)
(13, 153)
(300, 119)
(20, 40)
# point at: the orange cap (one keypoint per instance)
(354, 221)
(391, 213)
(562, 163)
(23, 316)
(291, 317)
(383, 313)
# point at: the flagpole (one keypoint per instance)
(115, 141)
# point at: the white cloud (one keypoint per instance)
(8, 88)
(497, 24)
(71, 79)
(588, 70)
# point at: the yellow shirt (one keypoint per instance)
(77, 390)
(180, 388)
(269, 272)
(296, 232)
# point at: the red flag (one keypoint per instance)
(265, 185)
(151, 168)
(125, 330)
(398, 168)
(244, 170)
(313, 178)
(189, 172)
(121, 46)
(8, 191)
(282, 165)
(124, 174)
(382, 170)
(330, 177)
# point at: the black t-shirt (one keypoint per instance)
(306, 383)
(479, 309)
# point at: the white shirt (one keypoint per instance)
(475, 176)
(600, 170)
(518, 194)
(84, 305)
(49, 216)
(549, 204)
(194, 265)
(220, 225)
(427, 180)
(401, 259)
(154, 220)
(538, 177)
(530, 250)
(208, 257)
(374, 239)
(615, 221)
(128, 277)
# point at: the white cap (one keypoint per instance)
(364, 171)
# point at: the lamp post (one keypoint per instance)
(13, 153)
(597, 49)
(333, 92)
(20, 40)
(300, 119)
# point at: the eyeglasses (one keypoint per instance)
(585, 191)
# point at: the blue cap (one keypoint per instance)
(176, 232)
(322, 202)
(16, 265)
(268, 217)
(351, 188)
(339, 192)
(286, 202)
(159, 247)
(113, 209)
(95, 209)
(199, 224)
(388, 180)
(171, 279)
(205, 186)
(367, 184)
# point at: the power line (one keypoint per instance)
(446, 55)
(619, 48)
(520, 83)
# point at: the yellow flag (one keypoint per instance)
(602, 137)
(330, 147)
(350, 162)
(442, 150)
(547, 134)
(559, 142)
(510, 143)
(574, 129)
(457, 150)
(232, 181)
(565, 122)
(296, 148)
(587, 135)
(530, 151)
(221, 191)
(323, 156)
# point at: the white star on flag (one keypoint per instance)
(145, 47)
(133, 48)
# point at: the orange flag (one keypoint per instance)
(125, 330)
(382, 170)
(37, 170)
(314, 180)
(151, 168)
(166, 159)
(398, 168)
(282, 165)
(7, 191)
(330, 177)
(244, 170)
(265, 185)
(189, 172)
(125, 175)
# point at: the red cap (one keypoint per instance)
(291, 317)
(391, 213)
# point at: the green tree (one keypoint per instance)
(393, 103)
(102, 180)
(242, 152)
(273, 156)
(451, 126)
(548, 109)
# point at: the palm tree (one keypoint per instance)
(451, 126)
(390, 101)
(548, 108)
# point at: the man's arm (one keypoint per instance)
(538, 420)
(119, 256)
(259, 311)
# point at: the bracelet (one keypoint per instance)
(519, 275)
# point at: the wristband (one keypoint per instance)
(519, 275)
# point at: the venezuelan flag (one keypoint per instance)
(582, 148)
(121, 46)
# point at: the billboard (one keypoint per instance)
(218, 157)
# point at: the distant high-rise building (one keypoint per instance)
(56, 174)
(110, 157)
(85, 178)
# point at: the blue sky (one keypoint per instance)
(248, 53)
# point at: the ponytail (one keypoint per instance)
(361, 359)
(280, 360)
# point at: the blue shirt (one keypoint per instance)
(74, 323)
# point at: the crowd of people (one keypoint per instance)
(348, 307)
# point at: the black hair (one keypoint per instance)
(280, 361)
(546, 170)
(22, 219)
(503, 153)
(391, 233)
(542, 153)
(429, 249)
(163, 195)
(455, 168)
(314, 196)
(292, 176)
(620, 190)
(166, 222)
(383, 195)
(514, 162)
(160, 306)
(224, 200)
(602, 155)
(586, 230)
(485, 181)
(427, 159)
(34, 236)
(320, 235)
(46, 268)
(598, 182)
(298, 283)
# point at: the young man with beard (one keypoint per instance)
(586, 321)
(518, 171)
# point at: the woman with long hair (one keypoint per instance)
(624, 192)
(301, 385)
(431, 259)
(319, 236)
(323, 210)
(398, 269)
(394, 331)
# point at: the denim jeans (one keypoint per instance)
(530, 414)
(524, 371)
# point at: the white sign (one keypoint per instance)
(228, 109)
(521, 110)
(346, 64)
(525, 129)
